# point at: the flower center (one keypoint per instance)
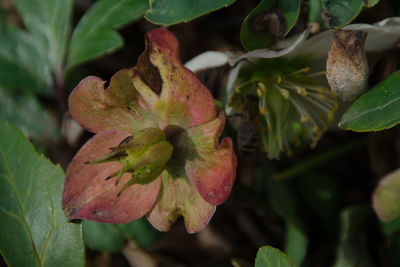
(289, 98)
(143, 155)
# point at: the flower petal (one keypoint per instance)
(210, 166)
(178, 197)
(386, 197)
(175, 94)
(118, 107)
(87, 195)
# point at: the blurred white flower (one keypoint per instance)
(293, 97)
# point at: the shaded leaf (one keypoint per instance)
(377, 109)
(352, 250)
(21, 64)
(269, 256)
(49, 23)
(95, 34)
(390, 227)
(342, 12)
(112, 237)
(393, 250)
(33, 228)
(102, 236)
(321, 195)
(266, 24)
(285, 203)
(171, 12)
(27, 113)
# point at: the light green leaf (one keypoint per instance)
(169, 12)
(352, 250)
(268, 256)
(48, 22)
(296, 243)
(112, 237)
(95, 34)
(33, 228)
(372, 3)
(377, 109)
(251, 39)
(25, 111)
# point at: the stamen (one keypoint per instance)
(262, 87)
(264, 111)
(279, 79)
(259, 93)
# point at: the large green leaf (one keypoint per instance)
(112, 237)
(25, 111)
(33, 228)
(290, 9)
(353, 250)
(48, 22)
(21, 65)
(268, 256)
(342, 12)
(168, 12)
(95, 34)
(377, 109)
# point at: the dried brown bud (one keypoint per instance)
(347, 67)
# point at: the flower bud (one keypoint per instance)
(347, 67)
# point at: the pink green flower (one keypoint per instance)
(156, 151)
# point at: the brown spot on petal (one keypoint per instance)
(211, 195)
(147, 72)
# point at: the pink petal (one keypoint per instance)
(210, 166)
(87, 195)
(174, 93)
(119, 107)
(179, 198)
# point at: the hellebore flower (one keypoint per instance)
(289, 85)
(156, 150)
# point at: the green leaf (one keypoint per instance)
(49, 23)
(102, 236)
(342, 12)
(21, 65)
(285, 203)
(352, 250)
(95, 34)
(268, 256)
(291, 12)
(169, 12)
(25, 111)
(377, 109)
(33, 228)
(251, 39)
(296, 243)
(112, 237)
